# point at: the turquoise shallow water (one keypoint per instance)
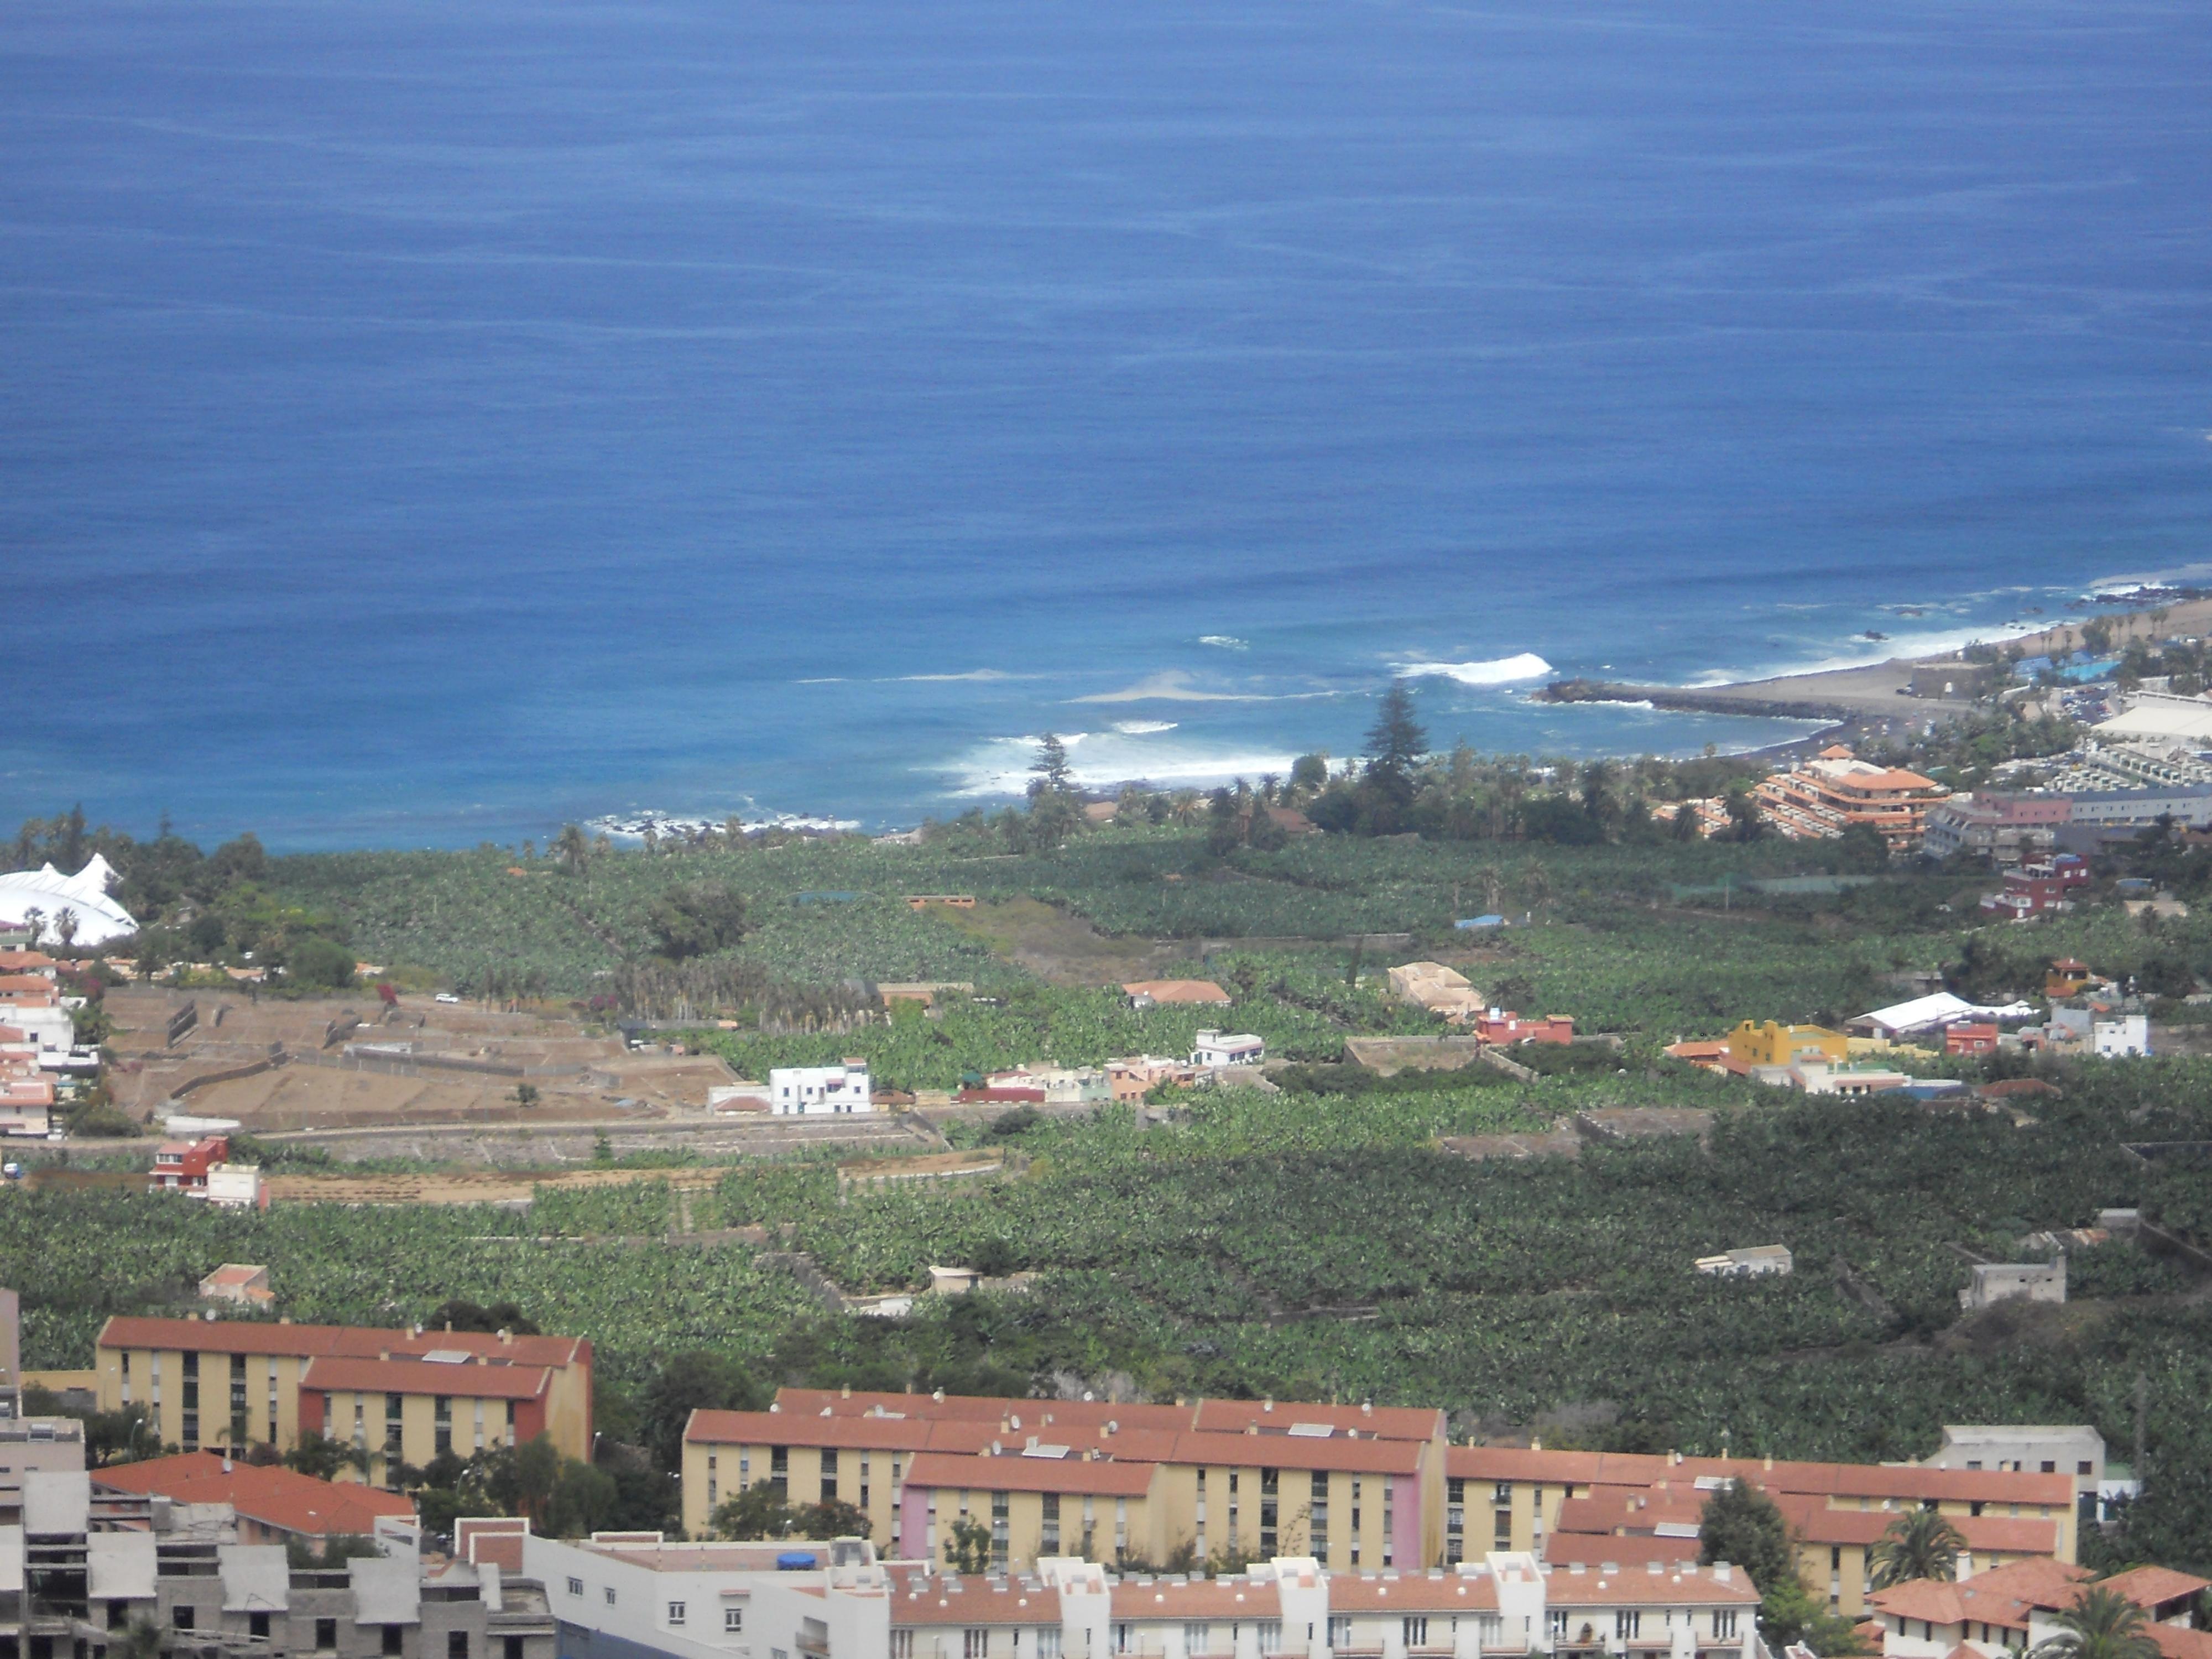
(423, 423)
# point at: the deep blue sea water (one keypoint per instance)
(423, 421)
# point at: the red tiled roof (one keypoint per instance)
(921, 1599)
(1062, 1474)
(1376, 1422)
(1137, 1599)
(1019, 1416)
(2054, 1491)
(1811, 1519)
(1178, 990)
(2153, 1586)
(2002, 1595)
(1699, 1586)
(718, 1428)
(1257, 1451)
(1595, 1549)
(275, 1496)
(349, 1341)
(1414, 1592)
(427, 1376)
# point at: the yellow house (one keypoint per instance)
(395, 1395)
(1772, 1044)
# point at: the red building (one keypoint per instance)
(1971, 1037)
(1504, 1028)
(182, 1166)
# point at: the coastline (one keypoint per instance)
(1873, 699)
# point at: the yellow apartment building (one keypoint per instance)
(397, 1395)
(1631, 1508)
(1355, 1485)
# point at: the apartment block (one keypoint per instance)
(398, 1395)
(1355, 1486)
(1632, 1509)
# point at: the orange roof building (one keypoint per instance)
(1182, 993)
(240, 1383)
(1827, 795)
(1634, 1507)
(273, 1503)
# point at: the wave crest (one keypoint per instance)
(1497, 671)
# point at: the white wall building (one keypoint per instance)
(2073, 1448)
(1223, 1048)
(2121, 1034)
(819, 1090)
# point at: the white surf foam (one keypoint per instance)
(1001, 766)
(1143, 728)
(1497, 671)
(1224, 642)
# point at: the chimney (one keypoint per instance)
(284, 1319)
(506, 1335)
(938, 1394)
(1268, 1404)
(384, 1353)
(845, 1393)
(226, 1463)
(1367, 1408)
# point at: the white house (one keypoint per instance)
(819, 1090)
(2122, 1034)
(1219, 1049)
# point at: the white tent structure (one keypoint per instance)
(1924, 1014)
(100, 919)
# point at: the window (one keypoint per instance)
(1628, 1622)
(511, 1647)
(828, 1474)
(1490, 1634)
(999, 1532)
(1502, 1494)
(257, 1624)
(575, 1586)
(183, 1618)
(733, 1620)
(393, 1636)
(442, 1424)
(118, 1614)
(1049, 1533)
(1268, 1497)
(779, 1468)
(1557, 1620)
(457, 1645)
(676, 1613)
(1503, 1531)
(1197, 1638)
(238, 1430)
(1124, 1638)
(1724, 1625)
(1974, 1462)
(1339, 1631)
(1048, 1641)
(2083, 1468)
(1271, 1636)
(610, 1596)
(2050, 1468)
(191, 1438)
(902, 1644)
(976, 1644)
(326, 1634)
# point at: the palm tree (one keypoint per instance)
(66, 928)
(1921, 1543)
(35, 920)
(573, 851)
(2102, 1625)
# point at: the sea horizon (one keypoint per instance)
(428, 428)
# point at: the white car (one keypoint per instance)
(447, 996)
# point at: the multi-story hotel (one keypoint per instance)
(397, 1397)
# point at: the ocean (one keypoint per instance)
(424, 423)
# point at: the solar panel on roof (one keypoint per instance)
(1313, 1430)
